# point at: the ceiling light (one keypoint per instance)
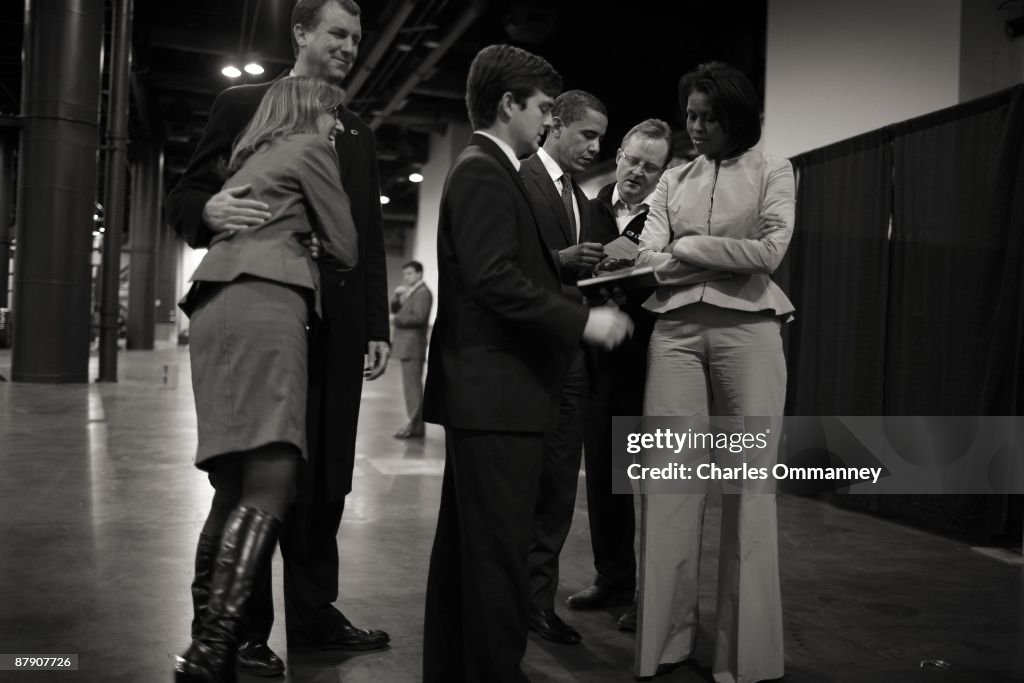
(415, 178)
(430, 43)
(253, 68)
(231, 71)
(403, 47)
(384, 199)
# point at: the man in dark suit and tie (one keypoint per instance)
(579, 121)
(617, 386)
(411, 306)
(350, 342)
(499, 351)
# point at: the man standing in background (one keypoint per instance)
(411, 306)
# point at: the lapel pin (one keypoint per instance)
(355, 132)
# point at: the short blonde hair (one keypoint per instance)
(291, 105)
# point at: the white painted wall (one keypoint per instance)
(837, 68)
(989, 59)
(444, 148)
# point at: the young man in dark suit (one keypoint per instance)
(579, 121)
(350, 343)
(620, 208)
(498, 354)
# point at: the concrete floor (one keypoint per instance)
(100, 508)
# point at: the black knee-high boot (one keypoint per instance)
(246, 547)
(206, 554)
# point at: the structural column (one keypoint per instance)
(143, 230)
(167, 278)
(7, 142)
(56, 190)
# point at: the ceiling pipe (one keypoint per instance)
(387, 36)
(427, 66)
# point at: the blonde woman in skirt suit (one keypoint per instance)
(253, 298)
(717, 229)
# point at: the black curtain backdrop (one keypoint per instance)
(930, 319)
(837, 270)
(1002, 393)
(947, 251)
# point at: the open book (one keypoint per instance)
(626, 278)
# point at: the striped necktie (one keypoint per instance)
(567, 202)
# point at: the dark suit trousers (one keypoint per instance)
(559, 478)
(309, 548)
(618, 389)
(309, 535)
(476, 616)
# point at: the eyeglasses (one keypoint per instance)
(646, 168)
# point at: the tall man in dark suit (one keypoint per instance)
(617, 386)
(351, 342)
(498, 354)
(579, 121)
(411, 305)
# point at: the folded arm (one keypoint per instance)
(416, 310)
(762, 254)
(657, 236)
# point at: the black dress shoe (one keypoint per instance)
(257, 659)
(550, 626)
(627, 622)
(599, 597)
(341, 636)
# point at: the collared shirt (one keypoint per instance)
(624, 214)
(404, 296)
(556, 173)
(505, 147)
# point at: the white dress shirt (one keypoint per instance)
(556, 173)
(624, 214)
(504, 146)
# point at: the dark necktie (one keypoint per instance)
(567, 202)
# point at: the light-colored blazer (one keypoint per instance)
(409, 338)
(297, 176)
(701, 234)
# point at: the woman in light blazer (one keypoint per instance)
(251, 304)
(717, 229)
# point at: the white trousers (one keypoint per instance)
(705, 360)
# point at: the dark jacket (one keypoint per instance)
(412, 318)
(501, 341)
(355, 303)
(553, 218)
(623, 369)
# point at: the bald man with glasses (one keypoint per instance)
(617, 383)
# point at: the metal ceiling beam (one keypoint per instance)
(387, 36)
(423, 72)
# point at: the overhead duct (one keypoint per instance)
(424, 71)
(387, 36)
